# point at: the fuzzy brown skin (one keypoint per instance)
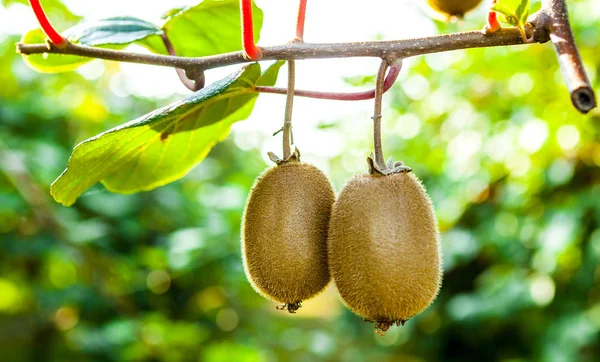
(384, 250)
(284, 232)
(451, 8)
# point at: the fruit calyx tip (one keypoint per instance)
(294, 157)
(383, 325)
(392, 167)
(291, 307)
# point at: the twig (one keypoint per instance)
(338, 96)
(561, 35)
(289, 107)
(377, 114)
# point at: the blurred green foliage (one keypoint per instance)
(512, 168)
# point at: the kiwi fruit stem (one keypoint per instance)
(294, 157)
(377, 114)
(288, 140)
(376, 162)
(391, 167)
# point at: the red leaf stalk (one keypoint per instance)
(301, 18)
(391, 77)
(492, 20)
(252, 51)
(51, 33)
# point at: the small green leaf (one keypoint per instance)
(165, 144)
(171, 12)
(269, 77)
(513, 12)
(360, 80)
(523, 11)
(211, 27)
(114, 33)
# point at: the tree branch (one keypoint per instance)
(377, 115)
(296, 50)
(551, 23)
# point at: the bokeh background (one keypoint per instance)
(512, 168)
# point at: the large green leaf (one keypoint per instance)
(114, 33)
(211, 27)
(163, 145)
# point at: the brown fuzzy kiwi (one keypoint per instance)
(384, 250)
(450, 8)
(284, 233)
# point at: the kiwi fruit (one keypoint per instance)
(384, 247)
(450, 8)
(284, 232)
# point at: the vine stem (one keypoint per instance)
(252, 51)
(391, 77)
(377, 114)
(54, 36)
(190, 84)
(289, 108)
(301, 20)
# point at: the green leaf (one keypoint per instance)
(211, 27)
(513, 12)
(171, 12)
(114, 33)
(164, 145)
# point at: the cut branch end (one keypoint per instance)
(584, 99)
